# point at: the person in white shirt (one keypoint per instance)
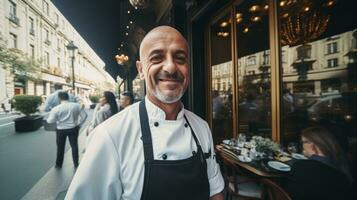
(66, 115)
(154, 149)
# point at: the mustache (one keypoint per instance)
(176, 76)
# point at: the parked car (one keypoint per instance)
(339, 109)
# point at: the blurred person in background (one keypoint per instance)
(126, 99)
(325, 174)
(106, 108)
(66, 116)
(53, 99)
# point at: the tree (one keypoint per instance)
(18, 62)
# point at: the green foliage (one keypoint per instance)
(94, 98)
(18, 62)
(27, 104)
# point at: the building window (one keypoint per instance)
(13, 13)
(58, 62)
(332, 62)
(32, 51)
(57, 19)
(47, 59)
(47, 37)
(45, 7)
(32, 26)
(13, 41)
(332, 48)
(251, 60)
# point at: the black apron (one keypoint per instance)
(172, 179)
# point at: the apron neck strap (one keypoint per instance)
(146, 133)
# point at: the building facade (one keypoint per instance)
(37, 28)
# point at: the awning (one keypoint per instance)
(53, 78)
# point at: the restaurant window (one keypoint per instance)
(332, 48)
(221, 73)
(332, 62)
(252, 51)
(309, 85)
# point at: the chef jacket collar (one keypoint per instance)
(154, 112)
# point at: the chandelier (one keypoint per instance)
(304, 21)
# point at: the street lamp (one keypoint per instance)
(72, 47)
(123, 60)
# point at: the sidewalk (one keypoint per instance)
(54, 184)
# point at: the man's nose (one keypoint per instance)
(170, 65)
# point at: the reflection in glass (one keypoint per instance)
(254, 109)
(319, 72)
(221, 79)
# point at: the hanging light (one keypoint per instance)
(245, 30)
(140, 4)
(255, 18)
(224, 24)
(254, 8)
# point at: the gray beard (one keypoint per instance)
(167, 99)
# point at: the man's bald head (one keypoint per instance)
(156, 33)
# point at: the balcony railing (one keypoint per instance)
(13, 18)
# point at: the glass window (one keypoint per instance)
(32, 50)
(310, 90)
(13, 41)
(332, 62)
(221, 78)
(45, 7)
(47, 59)
(59, 62)
(332, 48)
(253, 51)
(12, 9)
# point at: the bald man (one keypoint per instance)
(154, 149)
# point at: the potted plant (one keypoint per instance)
(28, 105)
(94, 99)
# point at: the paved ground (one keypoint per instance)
(27, 160)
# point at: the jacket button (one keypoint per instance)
(156, 124)
(164, 156)
(186, 125)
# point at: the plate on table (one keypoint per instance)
(298, 156)
(244, 159)
(279, 166)
(226, 142)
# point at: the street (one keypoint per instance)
(27, 162)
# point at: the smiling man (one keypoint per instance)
(155, 149)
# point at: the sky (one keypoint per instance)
(97, 21)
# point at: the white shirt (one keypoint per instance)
(65, 115)
(113, 165)
(101, 113)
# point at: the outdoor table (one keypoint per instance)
(257, 167)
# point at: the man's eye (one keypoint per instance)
(156, 59)
(181, 59)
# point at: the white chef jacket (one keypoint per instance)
(113, 165)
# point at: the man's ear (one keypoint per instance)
(139, 67)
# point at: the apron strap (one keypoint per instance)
(145, 132)
(192, 132)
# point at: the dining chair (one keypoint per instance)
(272, 191)
(236, 184)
